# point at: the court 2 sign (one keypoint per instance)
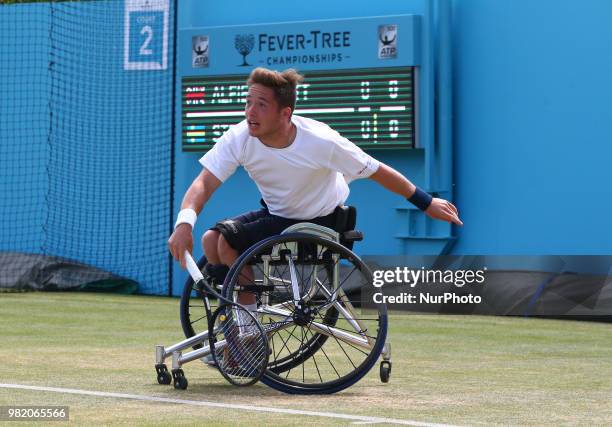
(145, 35)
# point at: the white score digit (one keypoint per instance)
(393, 89)
(302, 92)
(144, 49)
(393, 128)
(365, 129)
(365, 90)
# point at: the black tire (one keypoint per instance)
(337, 362)
(385, 371)
(193, 314)
(164, 378)
(181, 383)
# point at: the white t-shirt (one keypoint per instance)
(305, 180)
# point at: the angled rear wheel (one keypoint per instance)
(307, 290)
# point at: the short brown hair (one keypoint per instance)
(283, 83)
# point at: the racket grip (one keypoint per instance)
(192, 267)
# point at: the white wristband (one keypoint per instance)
(186, 216)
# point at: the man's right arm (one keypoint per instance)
(195, 198)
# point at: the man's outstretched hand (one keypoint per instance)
(443, 210)
(180, 241)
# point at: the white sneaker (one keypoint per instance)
(246, 324)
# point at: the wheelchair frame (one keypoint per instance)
(336, 295)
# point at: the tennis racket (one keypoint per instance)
(238, 342)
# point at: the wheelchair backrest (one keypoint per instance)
(346, 218)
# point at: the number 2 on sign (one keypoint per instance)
(144, 49)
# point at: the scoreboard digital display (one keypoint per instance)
(372, 107)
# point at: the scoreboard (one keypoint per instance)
(360, 77)
(370, 107)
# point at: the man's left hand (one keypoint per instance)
(443, 210)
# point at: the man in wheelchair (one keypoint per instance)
(301, 166)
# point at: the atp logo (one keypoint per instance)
(200, 53)
(387, 42)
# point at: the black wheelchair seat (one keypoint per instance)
(345, 221)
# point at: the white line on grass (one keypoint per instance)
(358, 419)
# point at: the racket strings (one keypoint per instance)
(241, 351)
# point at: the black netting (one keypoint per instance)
(85, 144)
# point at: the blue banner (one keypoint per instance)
(385, 41)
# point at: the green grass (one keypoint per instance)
(464, 370)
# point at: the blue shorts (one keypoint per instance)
(245, 230)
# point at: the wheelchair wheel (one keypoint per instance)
(193, 314)
(306, 289)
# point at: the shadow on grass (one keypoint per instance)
(214, 391)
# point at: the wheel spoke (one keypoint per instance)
(330, 362)
(198, 319)
(314, 358)
(303, 364)
(285, 342)
(344, 351)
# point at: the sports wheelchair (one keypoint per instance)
(306, 282)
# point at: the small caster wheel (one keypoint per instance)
(385, 371)
(180, 382)
(163, 376)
